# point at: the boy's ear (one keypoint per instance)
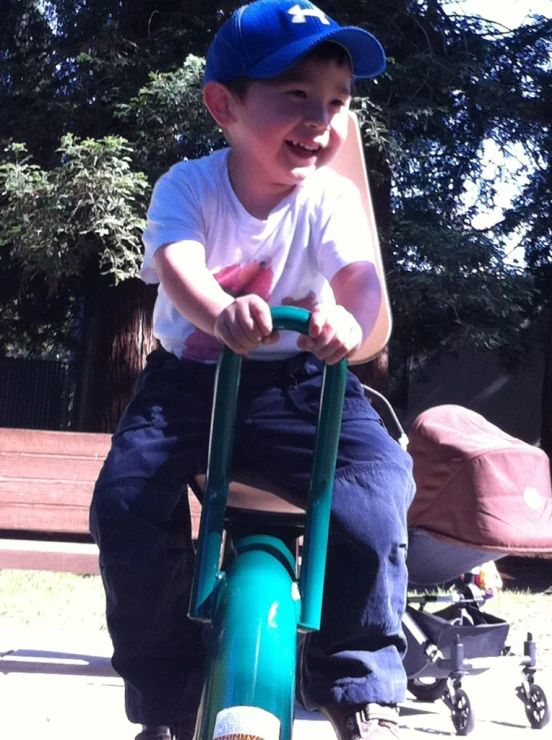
(218, 100)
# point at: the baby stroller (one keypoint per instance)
(481, 495)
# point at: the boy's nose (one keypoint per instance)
(318, 116)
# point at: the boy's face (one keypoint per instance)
(288, 127)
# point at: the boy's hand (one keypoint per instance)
(245, 324)
(334, 333)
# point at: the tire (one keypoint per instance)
(427, 689)
(462, 714)
(536, 708)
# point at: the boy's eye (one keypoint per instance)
(297, 93)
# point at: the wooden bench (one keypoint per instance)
(46, 484)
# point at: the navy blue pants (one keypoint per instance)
(140, 521)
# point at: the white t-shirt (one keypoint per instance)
(289, 259)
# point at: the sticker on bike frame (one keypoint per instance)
(246, 723)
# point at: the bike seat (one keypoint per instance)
(249, 492)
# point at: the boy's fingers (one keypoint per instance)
(326, 337)
(336, 351)
(317, 321)
(317, 343)
(346, 348)
(260, 312)
(335, 358)
(247, 325)
(233, 337)
(331, 348)
(249, 322)
(272, 338)
(305, 344)
(237, 329)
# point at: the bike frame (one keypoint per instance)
(255, 604)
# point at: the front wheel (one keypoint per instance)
(536, 708)
(463, 717)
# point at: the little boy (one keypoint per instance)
(260, 224)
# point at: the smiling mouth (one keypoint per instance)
(303, 150)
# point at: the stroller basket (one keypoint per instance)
(482, 635)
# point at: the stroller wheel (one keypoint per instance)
(463, 717)
(427, 689)
(536, 708)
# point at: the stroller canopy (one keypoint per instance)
(478, 486)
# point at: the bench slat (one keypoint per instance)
(45, 442)
(63, 510)
(38, 466)
(63, 519)
(29, 492)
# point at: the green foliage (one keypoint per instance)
(167, 119)
(87, 210)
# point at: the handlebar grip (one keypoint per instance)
(291, 318)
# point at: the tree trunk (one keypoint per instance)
(546, 407)
(118, 337)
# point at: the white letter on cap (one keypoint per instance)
(299, 14)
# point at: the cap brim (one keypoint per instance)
(366, 52)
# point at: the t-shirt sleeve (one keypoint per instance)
(174, 215)
(345, 235)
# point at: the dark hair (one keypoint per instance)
(328, 51)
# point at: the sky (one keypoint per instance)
(511, 13)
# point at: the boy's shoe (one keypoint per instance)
(373, 721)
(184, 730)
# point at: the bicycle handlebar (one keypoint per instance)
(221, 444)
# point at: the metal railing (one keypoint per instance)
(36, 394)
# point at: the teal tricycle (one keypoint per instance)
(247, 582)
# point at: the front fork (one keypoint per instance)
(250, 686)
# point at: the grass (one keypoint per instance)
(56, 601)
(63, 601)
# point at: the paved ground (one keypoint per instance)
(60, 686)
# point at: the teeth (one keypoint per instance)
(306, 146)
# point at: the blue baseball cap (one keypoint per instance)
(265, 38)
